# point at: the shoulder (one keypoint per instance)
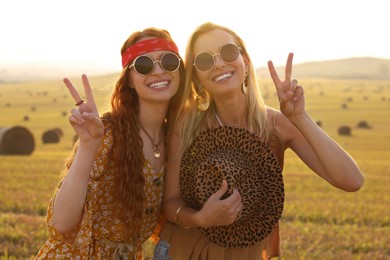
(274, 118)
(272, 113)
(277, 122)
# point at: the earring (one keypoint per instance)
(244, 85)
(202, 101)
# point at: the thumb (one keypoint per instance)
(222, 190)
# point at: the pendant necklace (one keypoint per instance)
(156, 144)
(220, 122)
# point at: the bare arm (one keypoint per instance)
(70, 198)
(310, 142)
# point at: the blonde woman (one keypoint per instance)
(222, 96)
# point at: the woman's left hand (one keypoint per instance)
(290, 94)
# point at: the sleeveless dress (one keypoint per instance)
(101, 233)
(191, 244)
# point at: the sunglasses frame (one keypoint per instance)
(216, 54)
(153, 62)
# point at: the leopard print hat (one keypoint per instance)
(248, 164)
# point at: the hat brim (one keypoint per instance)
(249, 165)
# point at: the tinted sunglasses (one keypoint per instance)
(205, 61)
(144, 65)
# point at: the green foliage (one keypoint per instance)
(318, 222)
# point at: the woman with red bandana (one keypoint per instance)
(109, 201)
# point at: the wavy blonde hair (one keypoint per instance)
(191, 121)
(127, 154)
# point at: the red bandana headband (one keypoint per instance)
(149, 45)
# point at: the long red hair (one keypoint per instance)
(126, 156)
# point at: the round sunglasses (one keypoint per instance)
(205, 61)
(144, 65)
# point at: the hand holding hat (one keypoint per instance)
(248, 164)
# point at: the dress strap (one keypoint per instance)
(275, 141)
(274, 121)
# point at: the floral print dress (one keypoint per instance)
(101, 234)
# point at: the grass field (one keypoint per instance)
(318, 222)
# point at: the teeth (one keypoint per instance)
(223, 76)
(160, 84)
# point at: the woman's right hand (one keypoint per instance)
(70, 198)
(290, 93)
(85, 118)
(217, 212)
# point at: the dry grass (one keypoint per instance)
(319, 221)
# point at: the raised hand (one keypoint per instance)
(85, 118)
(290, 94)
(217, 212)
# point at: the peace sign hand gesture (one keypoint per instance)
(85, 118)
(290, 94)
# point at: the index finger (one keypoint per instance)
(273, 73)
(72, 90)
(87, 88)
(288, 70)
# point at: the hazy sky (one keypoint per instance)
(90, 33)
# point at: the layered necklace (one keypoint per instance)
(156, 144)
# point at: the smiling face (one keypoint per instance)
(223, 78)
(158, 85)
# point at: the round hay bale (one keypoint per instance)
(319, 123)
(16, 140)
(363, 124)
(51, 136)
(59, 131)
(344, 130)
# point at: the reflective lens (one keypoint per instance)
(144, 65)
(170, 62)
(205, 61)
